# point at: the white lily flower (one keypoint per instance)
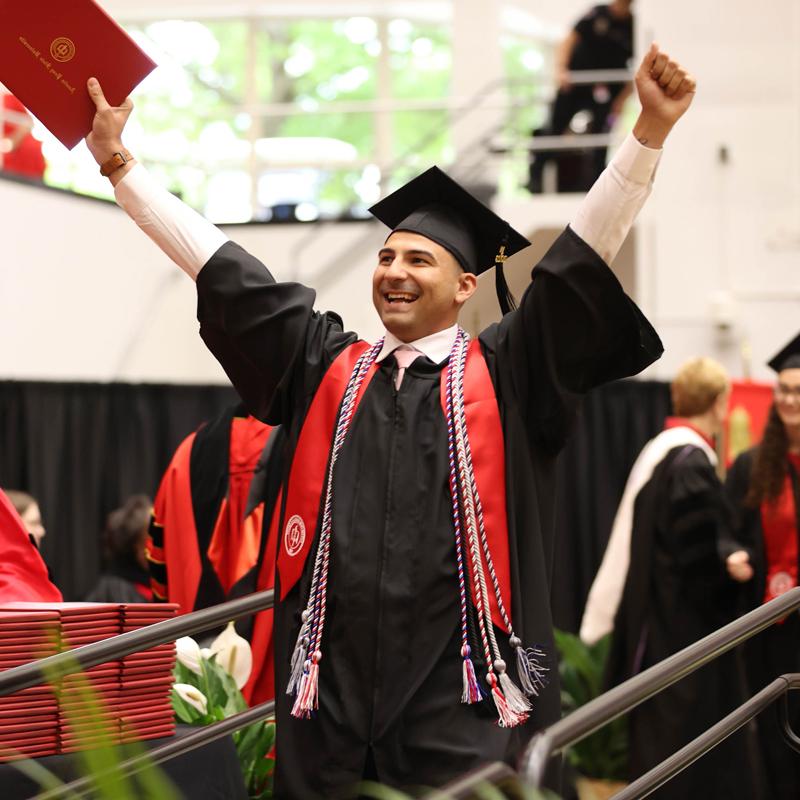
(189, 653)
(233, 654)
(206, 653)
(192, 695)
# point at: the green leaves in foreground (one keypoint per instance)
(223, 699)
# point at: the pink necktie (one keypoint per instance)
(404, 355)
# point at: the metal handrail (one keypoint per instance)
(90, 655)
(85, 786)
(691, 752)
(621, 699)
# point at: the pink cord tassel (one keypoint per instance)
(307, 697)
(471, 692)
(508, 718)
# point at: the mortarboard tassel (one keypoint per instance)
(504, 296)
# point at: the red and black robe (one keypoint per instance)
(210, 531)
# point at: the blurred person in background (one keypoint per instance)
(601, 40)
(763, 487)
(23, 573)
(212, 536)
(20, 151)
(28, 509)
(663, 585)
(125, 578)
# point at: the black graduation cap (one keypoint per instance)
(788, 357)
(435, 206)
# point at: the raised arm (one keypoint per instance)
(575, 327)
(254, 326)
(183, 234)
(607, 212)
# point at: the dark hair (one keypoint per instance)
(769, 467)
(126, 526)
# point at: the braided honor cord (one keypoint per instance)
(530, 668)
(308, 648)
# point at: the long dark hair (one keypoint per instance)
(769, 468)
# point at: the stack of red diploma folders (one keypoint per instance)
(117, 701)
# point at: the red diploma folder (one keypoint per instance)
(48, 50)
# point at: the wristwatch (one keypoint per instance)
(116, 161)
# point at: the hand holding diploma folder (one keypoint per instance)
(49, 50)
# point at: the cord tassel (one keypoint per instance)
(508, 718)
(515, 699)
(532, 672)
(297, 665)
(307, 697)
(471, 689)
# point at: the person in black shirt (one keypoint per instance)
(601, 40)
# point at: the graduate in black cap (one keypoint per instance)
(763, 486)
(413, 632)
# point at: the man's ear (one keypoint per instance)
(467, 284)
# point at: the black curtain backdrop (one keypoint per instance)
(615, 423)
(82, 448)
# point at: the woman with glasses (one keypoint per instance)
(763, 486)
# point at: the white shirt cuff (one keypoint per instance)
(181, 233)
(635, 162)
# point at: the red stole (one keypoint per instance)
(309, 466)
(779, 523)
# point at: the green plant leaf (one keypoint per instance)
(182, 674)
(378, 791)
(184, 711)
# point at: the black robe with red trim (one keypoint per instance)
(775, 651)
(390, 679)
(186, 550)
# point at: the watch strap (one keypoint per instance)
(119, 159)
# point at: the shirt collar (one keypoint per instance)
(436, 346)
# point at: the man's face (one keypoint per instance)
(787, 397)
(418, 287)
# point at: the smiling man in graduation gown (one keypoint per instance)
(413, 633)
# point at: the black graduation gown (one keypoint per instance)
(390, 679)
(774, 651)
(677, 591)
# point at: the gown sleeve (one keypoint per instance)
(575, 329)
(743, 530)
(266, 335)
(699, 516)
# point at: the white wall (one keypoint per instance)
(728, 228)
(84, 296)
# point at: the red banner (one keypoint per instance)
(747, 415)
